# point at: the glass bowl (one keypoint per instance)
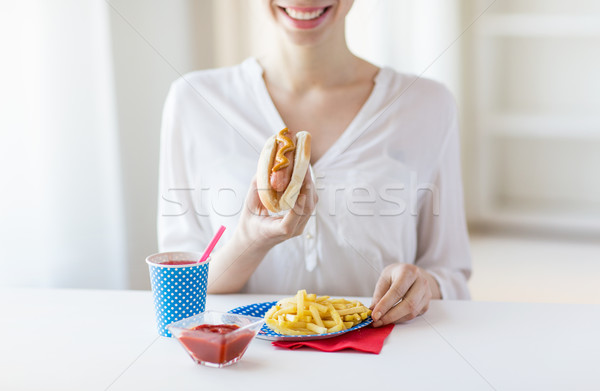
(216, 339)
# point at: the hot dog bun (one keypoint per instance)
(278, 202)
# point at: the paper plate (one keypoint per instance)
(259, 310)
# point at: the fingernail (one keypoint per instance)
(377, 315)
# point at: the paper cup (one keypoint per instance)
(179, 290)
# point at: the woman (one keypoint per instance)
(381, 212)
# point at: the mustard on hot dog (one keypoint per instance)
(281, 173)
(287, 145)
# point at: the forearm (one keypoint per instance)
(452, 282)
(231, 266)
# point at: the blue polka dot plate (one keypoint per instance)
(259, 310)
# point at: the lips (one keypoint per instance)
(305, 17)
(304, 14)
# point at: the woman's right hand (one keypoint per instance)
(258, 227)
(256, 233)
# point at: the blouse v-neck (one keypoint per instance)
(361, 120)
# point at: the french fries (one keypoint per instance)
(306, 314)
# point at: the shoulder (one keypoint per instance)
(419, 91)
(424, 101)
(422, 114)
(225, 81)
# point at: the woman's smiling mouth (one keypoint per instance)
(305, 17)
(305, 13)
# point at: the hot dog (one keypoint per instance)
(282, 166)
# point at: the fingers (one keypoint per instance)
(276, 228)
(306, 208)
(295, 220)
(401, 294)
(307, 211)
(309, 185)
(293, 217)
(401, 277)
(383, 285)
(311, 203)
(287, 226)
(411, 306)
(305, 203)
(252, 202)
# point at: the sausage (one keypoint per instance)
(280, 178)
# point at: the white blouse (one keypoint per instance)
(389, 188)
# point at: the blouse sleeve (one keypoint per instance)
(443, 243)
(179, 227)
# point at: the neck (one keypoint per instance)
(298, 68)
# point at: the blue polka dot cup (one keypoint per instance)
(178, 286)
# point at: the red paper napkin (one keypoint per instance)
(367, 339)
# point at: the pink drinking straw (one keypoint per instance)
(212, 244)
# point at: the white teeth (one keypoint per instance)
(304, 15)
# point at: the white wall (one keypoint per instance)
(532, 110)
(60, 202)
(154, 42)
(414, 36)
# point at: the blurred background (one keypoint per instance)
(83, 82)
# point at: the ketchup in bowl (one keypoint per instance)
(219, 340)
(213, 345)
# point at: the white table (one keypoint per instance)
(98, 340)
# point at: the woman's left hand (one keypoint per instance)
(403, 292)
